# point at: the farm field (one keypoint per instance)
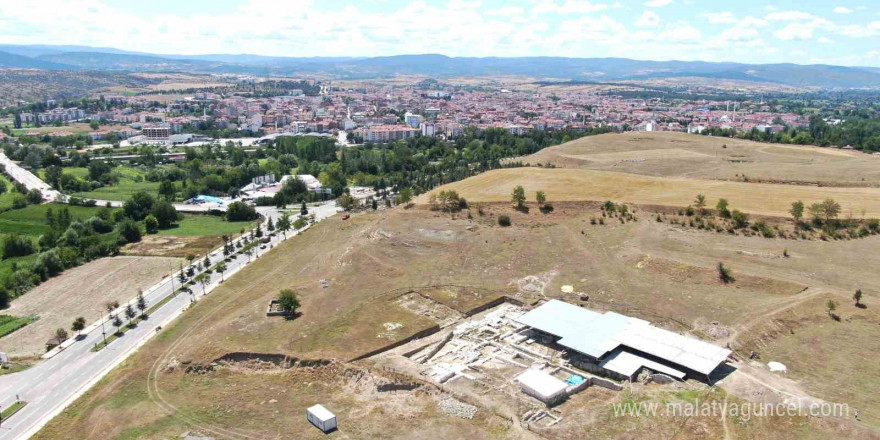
(654, 271)
(207, 225)
(131, 181)
(566, 184)
(670, 154)
(80, 291)
(32, 219)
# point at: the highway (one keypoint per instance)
(29, 180)
(52, 385)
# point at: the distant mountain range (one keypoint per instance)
(579, 69)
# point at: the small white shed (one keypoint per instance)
(321, 418)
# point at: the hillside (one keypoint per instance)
(584, 69)
(674, 154)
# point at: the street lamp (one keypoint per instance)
(103, 332)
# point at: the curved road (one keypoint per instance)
(52, 385)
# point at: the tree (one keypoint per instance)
(345, 201)
(405, 196)
(139, 205)
(129, 313)
(202, 279)
(270, 226)
(518, 198)
(797, 211)
(181, 275)
(141, 303)
(79, 324)
(857, 297)
(93, 125)
(53, 176)
(61, 334)
(700, 202)
(240, 211)
(164, 213)
(15, 245)
(284, 223)
(167, 190)
(116, 321)
(722, 207)
(540, 197)
(111, 306)
(259, 231)
(129, 231)
(303, 210)
(151, 224)
(830, 307)
(724, 274)
(16, 122)
(830, 209)
(249, 251)
(288, 301)
(221, 267)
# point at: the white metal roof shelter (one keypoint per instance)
(541, 385)
(598, 334)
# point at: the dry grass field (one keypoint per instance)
(80, 291)
(567, 184)
(668, 154)
(651, 270)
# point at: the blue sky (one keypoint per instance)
(805, 32)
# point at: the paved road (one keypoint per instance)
(55, 383)
(27, 178)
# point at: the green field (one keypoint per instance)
(9, 323)
(209, 225)
(32, 220)
(81, 172)
(6, 197)
(131, 180)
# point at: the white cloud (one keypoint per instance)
(769, 8)
(752, 22)
(801, 30)
(842, 10)
(648, 19)
(657, 3)
(506, 11)
(859, 31)
(824, 40)
(569, 7)
(725, 17)
(788, 16)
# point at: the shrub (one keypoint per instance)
(724, 274)
(240, 211)
(151, 224)
(129, 231)
(504, 220)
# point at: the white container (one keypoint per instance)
(321, 418)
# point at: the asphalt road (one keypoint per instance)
(55, 383)
(27, 178)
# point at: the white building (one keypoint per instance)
(542, 386)
(412, 120)
(322, 418)
(428, 129)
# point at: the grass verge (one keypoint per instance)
(14, 408)
(9, 323)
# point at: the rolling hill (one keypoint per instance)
(578, 69)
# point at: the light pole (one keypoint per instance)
(103, 332)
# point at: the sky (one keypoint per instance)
(845, 32)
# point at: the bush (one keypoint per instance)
(151, 224)
(724, 274)
(15, 245)
(504, 220)
(164, 214)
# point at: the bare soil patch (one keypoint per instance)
(80, 291)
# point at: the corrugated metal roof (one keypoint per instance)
(596, 334)
(627, 364)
